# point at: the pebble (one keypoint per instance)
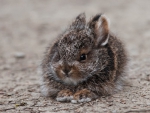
(147, 97)
(5, 67)
(148, 103)
(148, 77)
(19, 55)
(133, 100)
(122, 101)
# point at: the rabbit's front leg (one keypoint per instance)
(83, 95)
(64, 96)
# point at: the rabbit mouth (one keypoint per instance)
(70, 81)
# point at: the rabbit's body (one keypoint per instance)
(85, 62)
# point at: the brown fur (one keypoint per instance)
(98, 75)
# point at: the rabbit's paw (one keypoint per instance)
(83, 95)
(64, 95)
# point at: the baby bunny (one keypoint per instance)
(85, 62)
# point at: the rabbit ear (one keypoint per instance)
(100, 26)
(79, 23)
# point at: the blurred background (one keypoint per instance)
(28, 26)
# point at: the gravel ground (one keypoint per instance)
(28, 26)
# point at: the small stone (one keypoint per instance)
(133, 100)
(114, 111)
(20, 104)
(110, 104)
(138, 103)
(6, 67)
(147, 97)
(148, 103)
(148, 77)
(19, 55)
(122, 101)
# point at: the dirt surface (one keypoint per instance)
(28, 26)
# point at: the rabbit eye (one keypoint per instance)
(83, 57)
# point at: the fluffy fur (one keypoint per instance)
(99, 74)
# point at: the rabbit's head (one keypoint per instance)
(81, 51)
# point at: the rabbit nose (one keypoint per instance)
(66, 71)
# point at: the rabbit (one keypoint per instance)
(84, 63)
